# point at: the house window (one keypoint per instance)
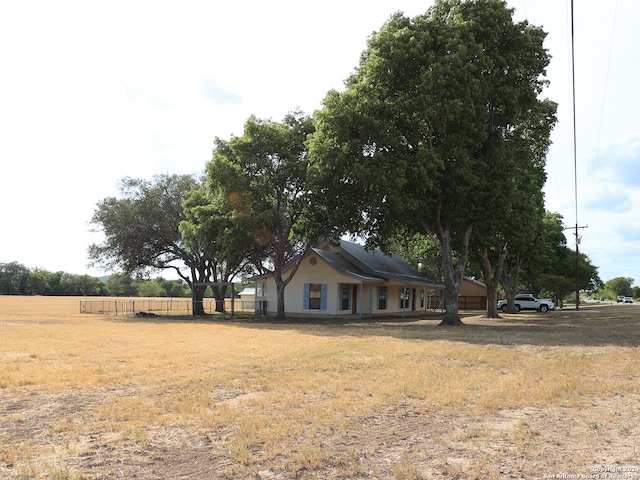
(315, 296)
(345, 297)
(382, 298)
(404, 298)
(261, 289)
(422, 298)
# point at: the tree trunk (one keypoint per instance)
(492, 303)
(491, 279)
(219, 292)
(452, 274)
(199, 275)
(280, 284)
(451, 314)
(198, 301)
(511, 281)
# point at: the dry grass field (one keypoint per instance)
(528, 396)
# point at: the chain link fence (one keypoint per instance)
(148, 307)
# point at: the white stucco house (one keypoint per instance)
(347, 279)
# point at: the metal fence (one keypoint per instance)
(146, 307)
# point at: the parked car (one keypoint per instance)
(528, 302)
(628, 300)
(620, 298)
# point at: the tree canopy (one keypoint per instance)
(261, 177)
(141, 232)
(208, 228)
(141, 226)
(438, 107)
(618, 286)
(17, 279)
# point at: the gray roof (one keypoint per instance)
(370, 266)
(341, 264)
(385, 267)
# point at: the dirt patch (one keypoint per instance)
(400, 441)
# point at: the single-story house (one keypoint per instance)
(347, 279)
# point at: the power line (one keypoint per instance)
(606, 84)
(573, 92)
(575, 158)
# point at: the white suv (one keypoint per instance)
(528, 302)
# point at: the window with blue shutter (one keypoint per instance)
(323, 297)
(315, 296)
(305, 299)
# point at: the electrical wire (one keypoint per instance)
(606, 85)
(573, 92)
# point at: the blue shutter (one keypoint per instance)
(323, 296)
(305, 300)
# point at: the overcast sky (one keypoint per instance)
(95, 91)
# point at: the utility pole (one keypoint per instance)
(577, 261)
(575, 157)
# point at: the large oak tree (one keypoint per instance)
(208, 228)
(141, 232)
(414, 141)
(262, 177)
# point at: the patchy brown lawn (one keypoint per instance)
(528, 396)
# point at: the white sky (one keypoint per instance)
(95, 91)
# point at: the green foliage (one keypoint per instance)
(141, 227)
(80, 285)
(174, 288)
(549, 259)
(618, 286)
(419, 251)
(121, 285)
(557, 286)
(142, 233)
(150, 289)
(209, 228)
(436, 131)
(258, 183)
(16, 279)
(540, 255)
(588, 278)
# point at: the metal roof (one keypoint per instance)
(372, 266)
(387, 267)
(342, 265)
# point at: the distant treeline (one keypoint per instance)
(16, 279)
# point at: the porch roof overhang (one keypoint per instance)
(413, 280)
